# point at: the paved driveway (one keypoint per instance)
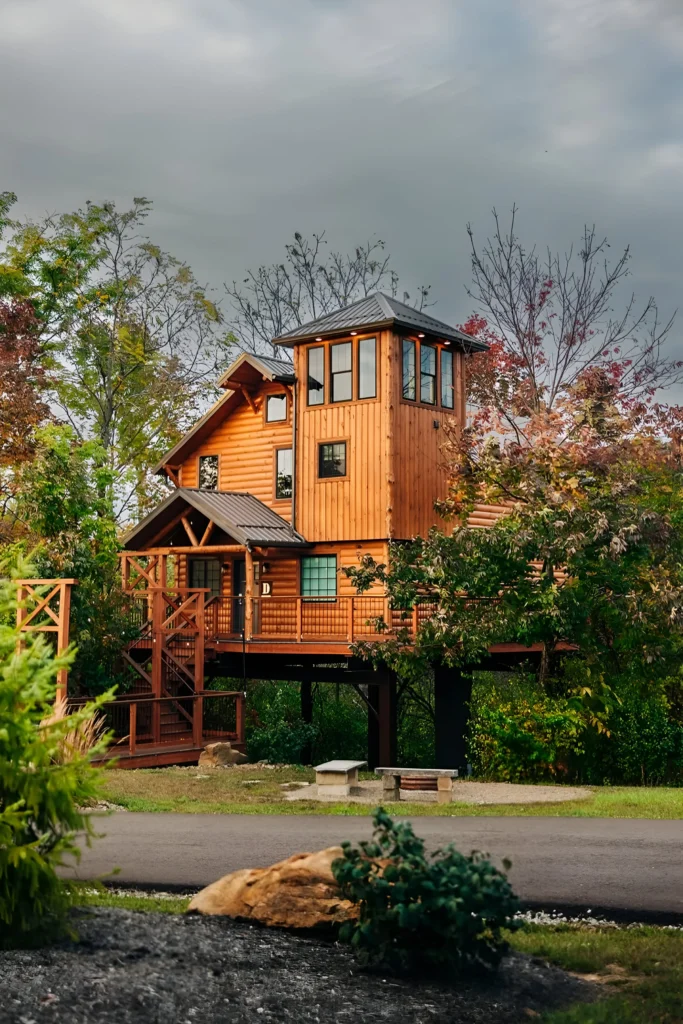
(634, 867)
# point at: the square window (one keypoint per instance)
(316, 376)
(208, 472)
(276, 408)
(341, 373)
(283, 473)
(319, 576)
(206, 572)
(332, 460)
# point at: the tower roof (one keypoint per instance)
(378, 310)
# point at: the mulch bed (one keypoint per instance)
(147, 968)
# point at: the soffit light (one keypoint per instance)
(354, 333)
(420, 335)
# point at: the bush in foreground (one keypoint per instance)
(42, 791)
(442, 912)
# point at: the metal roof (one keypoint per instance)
(271, 369)
(237, 513)
(378, 310)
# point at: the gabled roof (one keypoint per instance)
(248, 367)
(378, 310)
(247, 370)
(240, 515)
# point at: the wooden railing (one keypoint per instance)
(298, 619)
(140, 724)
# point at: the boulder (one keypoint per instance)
(218, 755)
(299, 892)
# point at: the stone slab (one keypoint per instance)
(448, 773)
(340, 766)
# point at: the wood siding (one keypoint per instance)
(246, 446)
(353, 507)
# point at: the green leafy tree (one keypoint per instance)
(132, 340)
(42, 793)
(65, 502)
(445, 912)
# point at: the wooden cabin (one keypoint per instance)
(305, 463)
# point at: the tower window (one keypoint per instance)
(332, 460)
(367, 368)
(341, 373)
(447, 380)
(428, 374)
(283, 473)
(208, 472)
(409, 386)
(316, 376)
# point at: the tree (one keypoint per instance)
(310, 282)
(133, 340)
(42, 793)
(64, 504)
(22, 409)
(549, 320)
(588, 554)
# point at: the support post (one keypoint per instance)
(157, 660)
(373, 727)
(63, 636)
(387, 721)
(239, 717)
(307, 716)
(248, 594)
(452, 694)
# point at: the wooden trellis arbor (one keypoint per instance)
(44, 606)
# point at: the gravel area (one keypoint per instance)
(145, 968)
(464, 792)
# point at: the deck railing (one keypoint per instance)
(293, 619)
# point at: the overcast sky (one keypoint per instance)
(246, 121)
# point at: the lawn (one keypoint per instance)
(257, 789)
(640, 968)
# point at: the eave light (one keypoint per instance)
(420, 335)
(354, 333)
(318, 339)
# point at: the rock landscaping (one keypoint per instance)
(144, 968)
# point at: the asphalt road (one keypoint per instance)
(631, 869)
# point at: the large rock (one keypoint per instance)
(220, 755)
(299, 892)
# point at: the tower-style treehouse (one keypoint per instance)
(305, 463)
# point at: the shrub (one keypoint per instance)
(443, 912)
(42, 792)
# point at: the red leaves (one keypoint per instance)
(21, 378)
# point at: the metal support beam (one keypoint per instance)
(452, 695)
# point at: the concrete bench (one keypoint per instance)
(391, 781)
(338, 778)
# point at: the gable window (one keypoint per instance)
(283, 473)
(341, 374)
(208, 472)
(447, 380)
(332, 460)
(319, 576)
(427, 374)
(316, 376)
(409, 385)
(276, 408)
(206, 572)
(367, 368)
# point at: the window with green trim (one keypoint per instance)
(319, 576)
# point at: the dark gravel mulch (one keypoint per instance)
(144, 968)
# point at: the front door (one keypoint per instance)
(239, 586)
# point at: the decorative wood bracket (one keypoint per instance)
(248, 398)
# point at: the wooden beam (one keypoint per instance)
(248, 594)
(190, 532)
(166, 529)
(171, 474)
(217, 549)
(207, 533)
(248, 398)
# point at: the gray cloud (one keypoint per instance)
(245, 121)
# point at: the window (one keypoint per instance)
(206, 572)
(367, 368)
(316, 376)
(332, 460)
(319, 576)
(340, 372)
(276, 408)
(447, 385)
(283, 473)
(208, 472)
(427, 374)
(409, 390)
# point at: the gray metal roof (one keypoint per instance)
(271, 369)
(378, 310)
(238, 514)
(278, 367)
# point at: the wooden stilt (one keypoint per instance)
(452, 694)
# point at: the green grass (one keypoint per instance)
(640, 969)
(258, 790)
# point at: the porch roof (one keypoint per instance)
(238, 514)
